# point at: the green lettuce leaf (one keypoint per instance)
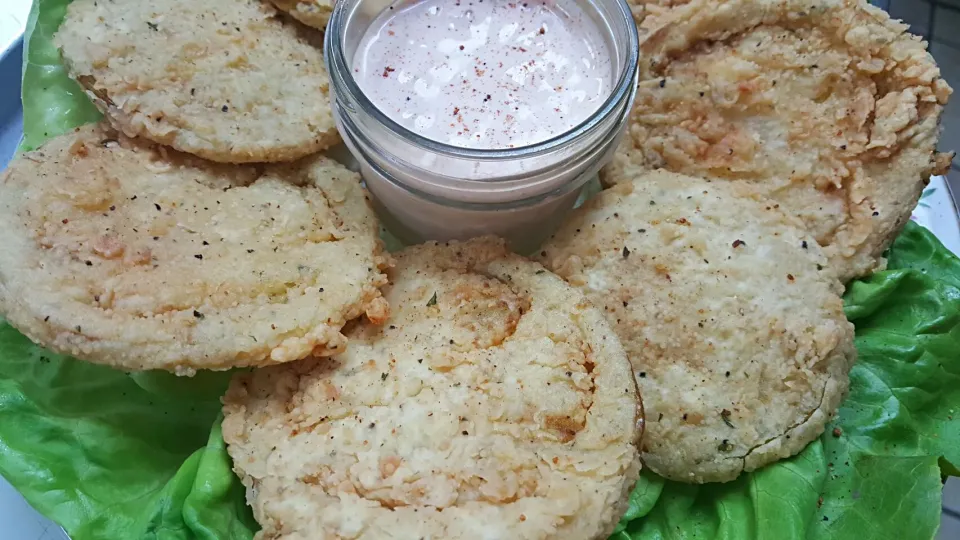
(114, 455)
(109, 455)
(52, 102)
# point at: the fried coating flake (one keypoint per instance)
(222, 80)
(495, 403)
(828, 107)
(733, 323)
(128, 255)
(315, 13)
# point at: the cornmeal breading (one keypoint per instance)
(223, 80)
(828, 107)
(139, 257)
(733, 323)
(495, 403)
(315, 13)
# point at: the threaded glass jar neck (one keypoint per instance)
(420, 184)
(351, 19)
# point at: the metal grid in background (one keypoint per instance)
(929, 35)
(935, 5)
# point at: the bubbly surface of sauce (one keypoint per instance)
(485, 74)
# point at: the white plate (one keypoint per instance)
(13, 21)
(937, 213)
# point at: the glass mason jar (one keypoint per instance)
(427, 190)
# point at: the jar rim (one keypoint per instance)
(341, 77)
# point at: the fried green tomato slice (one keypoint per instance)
(827, 107)
(138, 257)
(224, 80)
(730, 317)
(495, 402)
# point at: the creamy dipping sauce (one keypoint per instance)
(487, 74)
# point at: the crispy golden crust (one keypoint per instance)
(826, 106)
(734, 327)
(223, 80)
(120, 254)
(644, 9)
(315, 13)
(495, 403)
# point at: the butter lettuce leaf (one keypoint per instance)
(53, 103)
(113, 455)
(108, 455)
